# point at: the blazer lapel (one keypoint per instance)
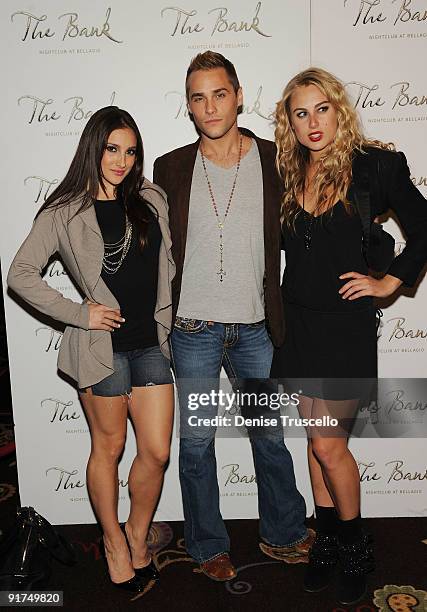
(182, 200)
(87, 244)
(88, 217)
(152, 196)
(271, 195)
(271, 201)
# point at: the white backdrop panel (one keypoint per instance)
(67, 59)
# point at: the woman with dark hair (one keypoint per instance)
(336, 182)
(110, 226)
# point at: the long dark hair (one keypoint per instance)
(84, 175)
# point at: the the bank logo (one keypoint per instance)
(42, 187)
(419, 181)
(251, 106)
(59, 411)
(67, 480)
(216, 21)
(399, 328)
(391, 472)
(65, 27)
(44, 110)
(50, 338)
(391, 12)
(402, 94)
(234, 476)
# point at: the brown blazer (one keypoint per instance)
(85, 355)
(174, 173)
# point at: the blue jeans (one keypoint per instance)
(199, 350)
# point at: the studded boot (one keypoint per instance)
(323, 555)
(355, 561)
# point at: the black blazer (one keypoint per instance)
(174, 173)
(391, 188)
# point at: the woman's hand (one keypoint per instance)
(362, 285)
(103, 317)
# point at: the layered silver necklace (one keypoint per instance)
(115, 252)
(220, 222)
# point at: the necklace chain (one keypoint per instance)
(221, 272)
(110, 263)
(308, 225)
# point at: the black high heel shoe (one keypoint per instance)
(146, 573)
(133, 585)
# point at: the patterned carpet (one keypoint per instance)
(398, 584)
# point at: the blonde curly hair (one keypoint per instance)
(334, 173)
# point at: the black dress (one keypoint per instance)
(327, 338)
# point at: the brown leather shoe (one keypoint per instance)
(219, 568)
(290, 554)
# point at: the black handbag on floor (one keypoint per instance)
(378, 245)
(26, 552)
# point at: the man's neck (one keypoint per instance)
(226, 152)
(221, 149)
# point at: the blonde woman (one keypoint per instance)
(329, 293)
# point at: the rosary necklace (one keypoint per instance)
(220, 223)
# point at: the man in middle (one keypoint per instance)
(224, 198)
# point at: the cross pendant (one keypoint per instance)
(221, 274)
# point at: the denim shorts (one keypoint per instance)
(139, 368)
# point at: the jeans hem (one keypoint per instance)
(287, 545)
(215, 556)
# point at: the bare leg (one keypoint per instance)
(333, 471)
(321, 494)
(151, 410)
(107, 417)
(337, 464)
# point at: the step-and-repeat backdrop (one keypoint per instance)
(67, 59)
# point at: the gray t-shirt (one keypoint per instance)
(239, 298)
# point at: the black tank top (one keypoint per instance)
(134, 285)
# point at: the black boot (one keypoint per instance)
(355, 560)
(322, 559)
(323, 555)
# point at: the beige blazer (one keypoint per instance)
(85, 355)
